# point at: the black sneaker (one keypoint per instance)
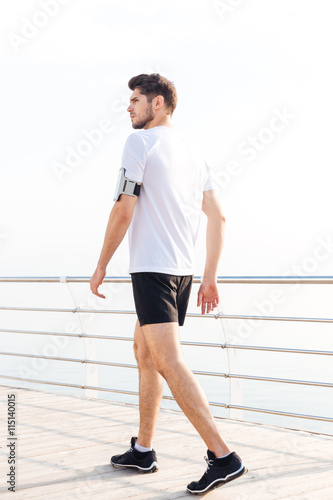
(144, 462)
(219, 471)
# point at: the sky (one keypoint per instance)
(254, 84)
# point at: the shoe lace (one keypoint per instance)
(129, 451)
(209, 463)
(203, 479)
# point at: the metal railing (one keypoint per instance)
(225, 345)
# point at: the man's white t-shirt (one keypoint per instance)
(166, 217)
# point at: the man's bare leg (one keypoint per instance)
(150, 389)
(163, 342)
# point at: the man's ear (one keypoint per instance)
(159, 102)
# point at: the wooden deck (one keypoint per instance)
(65, 443)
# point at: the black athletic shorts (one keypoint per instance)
(161, 298)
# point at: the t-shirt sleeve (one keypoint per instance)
(210, 183)
(134, 157)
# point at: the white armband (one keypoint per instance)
(125, 186)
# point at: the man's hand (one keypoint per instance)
(208, 296)
(96, 280)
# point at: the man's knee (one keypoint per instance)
(145, 359)
(142, 355)
(167, 365)
(137, 351)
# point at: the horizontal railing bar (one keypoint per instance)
(79, 386)
(282, 413)
(170, 398)
(276, 349)
(183, 342)
(76, 310)
(74, 335)
(263, 379)
(276, 280)
(34, 309)
(279, 380)
(200, 344)
(37, 332)
(193, 315)
(72, 360)
(61, 279)
(90, 311)
(272, 318)
(196, 372)
(309, 280)
(104, 337)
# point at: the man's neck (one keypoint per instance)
(164, 121)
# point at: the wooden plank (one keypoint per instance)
(65, 443)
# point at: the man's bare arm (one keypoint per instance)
(119, 221)
(208, 295)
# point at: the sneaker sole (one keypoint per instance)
(220, 482)
(152, 468)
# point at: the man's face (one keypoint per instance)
(141, 111)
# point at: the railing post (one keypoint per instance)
(235, 385)
(91, 371)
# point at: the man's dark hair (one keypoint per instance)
(154, 85)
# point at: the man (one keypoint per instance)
(162, 188)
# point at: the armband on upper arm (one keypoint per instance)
(126, 186)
